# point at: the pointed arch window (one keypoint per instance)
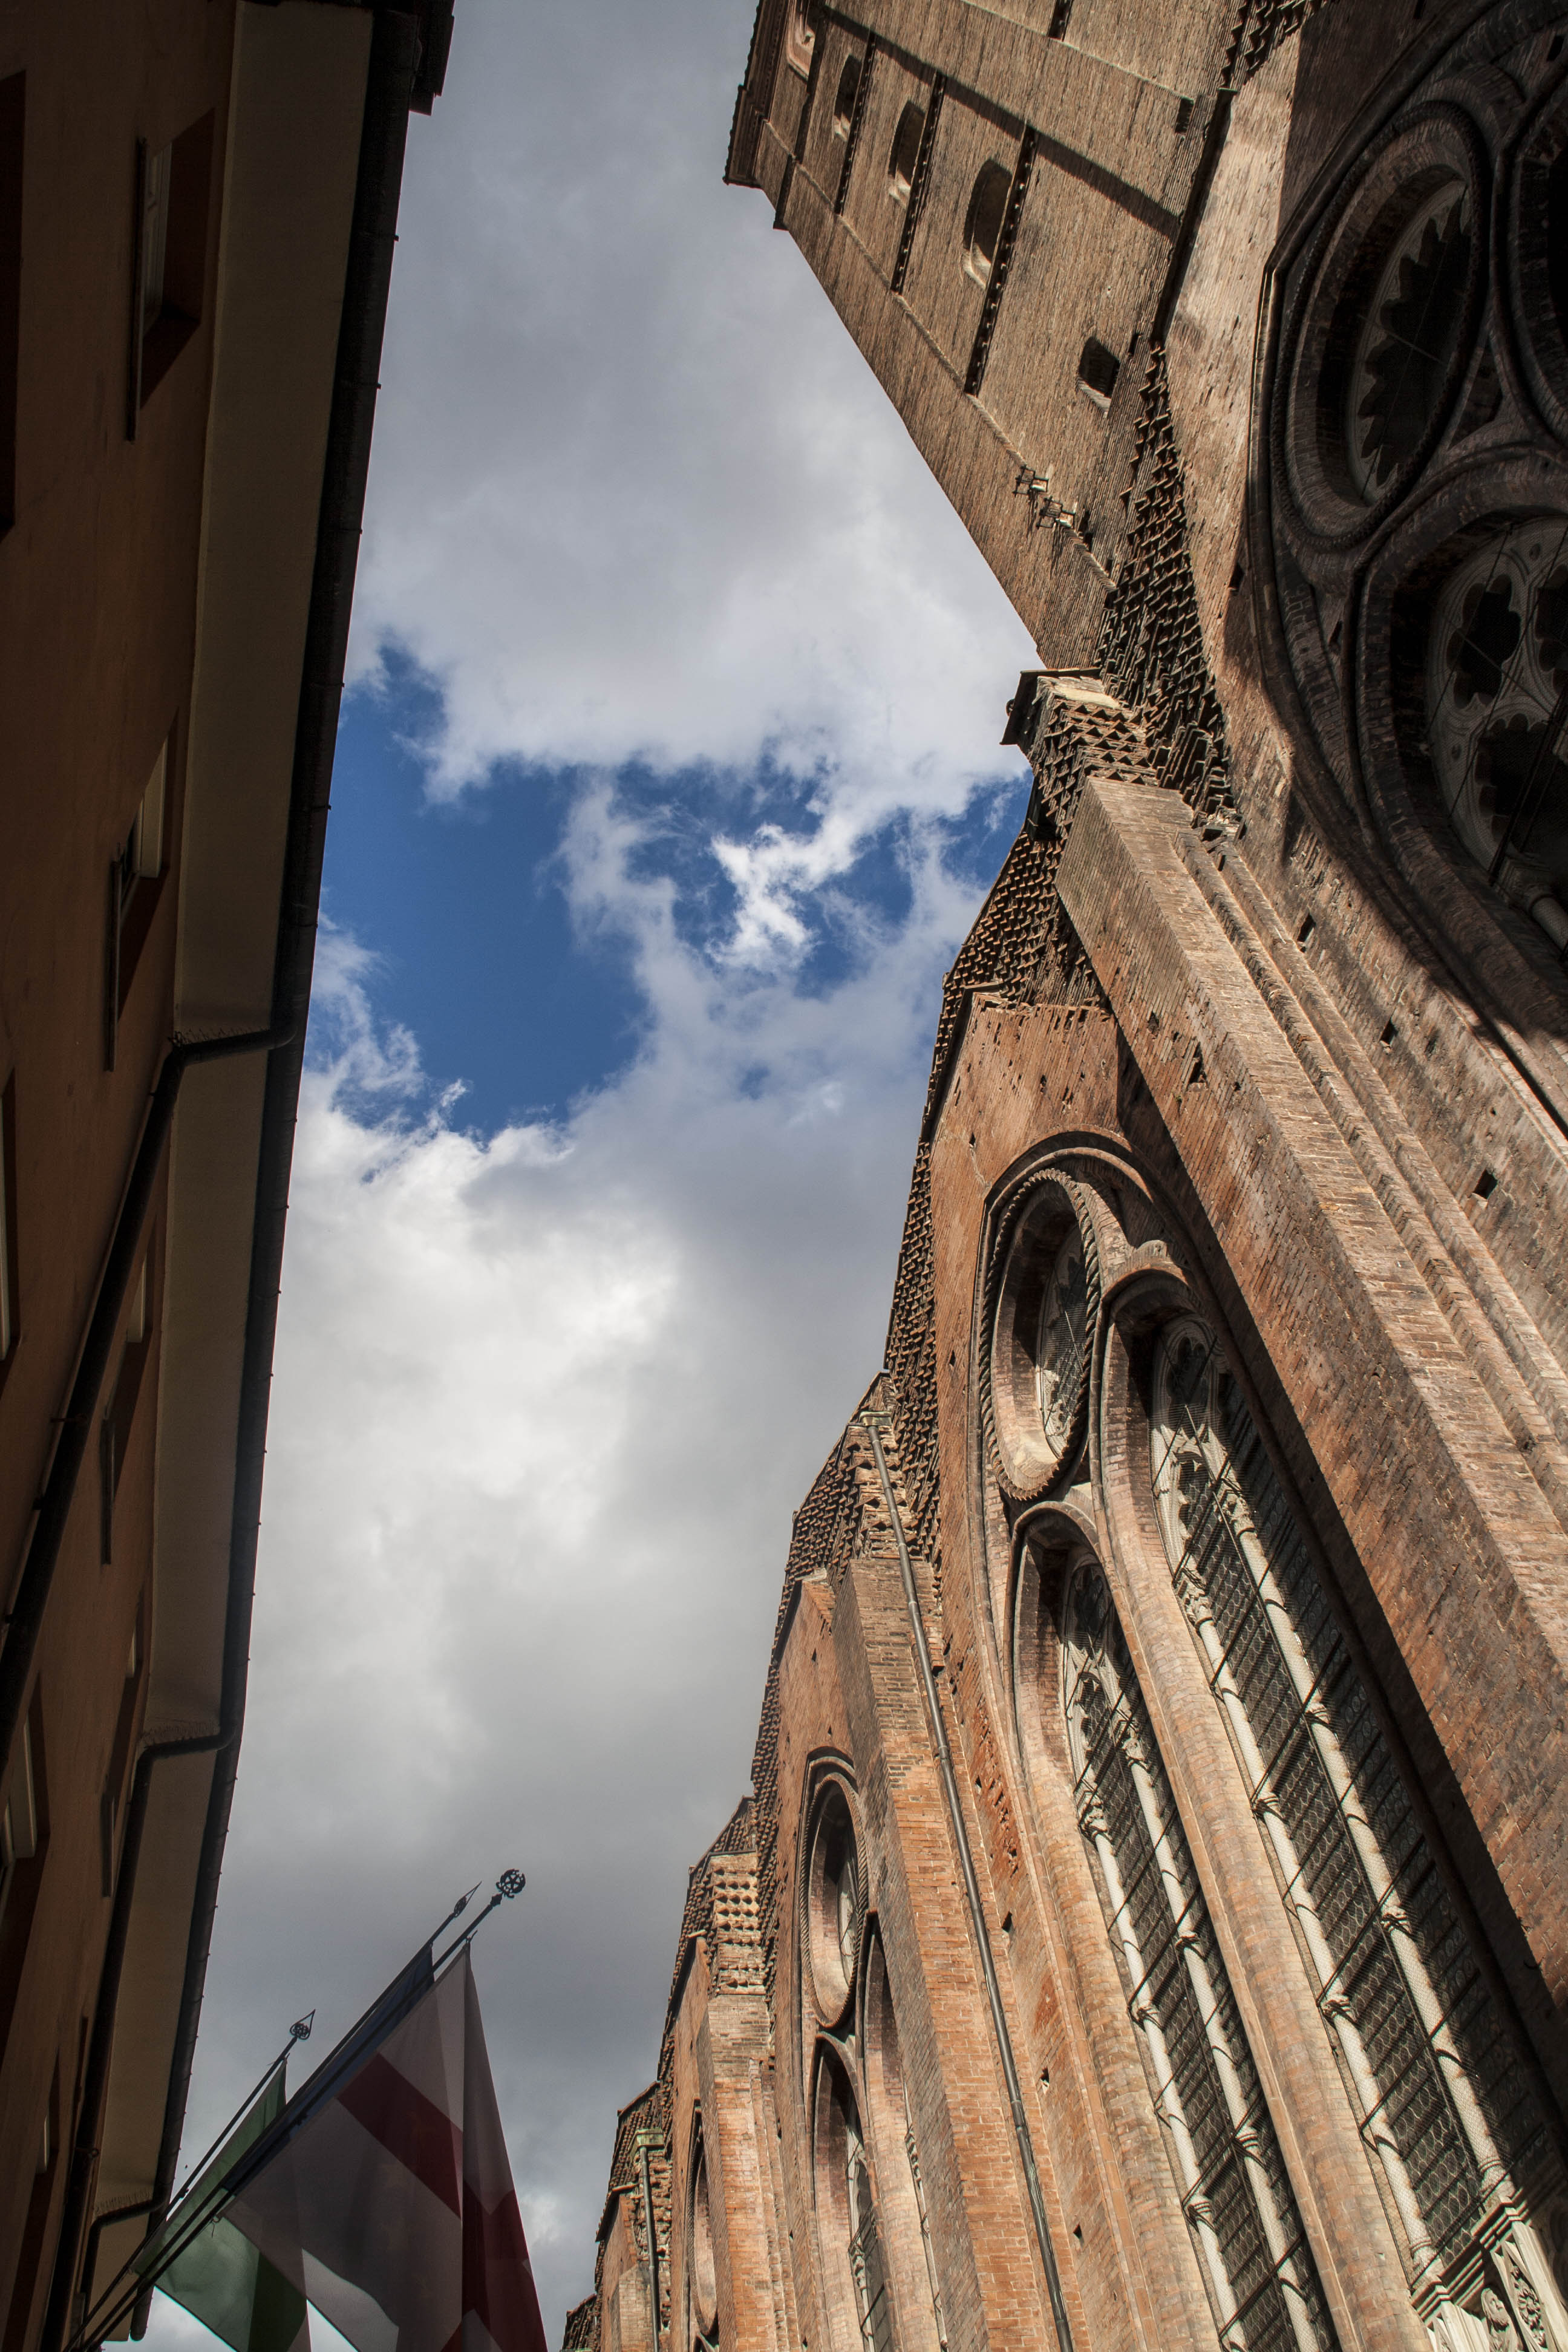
(1236, 2193)
(1444, 2103)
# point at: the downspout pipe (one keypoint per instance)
(26, 1622)
(1021, 2131)
(395, 63)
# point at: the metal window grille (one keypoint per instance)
(1236, 2193)
(1443, 2102)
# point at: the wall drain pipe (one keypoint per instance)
(1021, 2131)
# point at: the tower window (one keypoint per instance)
(983, 223)
(801, 38)
(905, 151)
(844, 99)
(1097, 372)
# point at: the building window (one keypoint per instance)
(13, 113)
(174, 205)
(113, 1797)
(870, 2210)
(24, 1843)
(1040, 1307)
(1496, 691)
(800, 40)
(19, 1818)
(9, 1301)
(114, 1432)
(846, 2208)
(35, 2227)
(982, 222)
(1235, 2191)
(1445, 2106)
(1097, 369)
(135, 880)
(702, 2272)
(844, 98)
(905, 151)
(1408, 335)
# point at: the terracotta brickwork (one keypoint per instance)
(1155, 1930)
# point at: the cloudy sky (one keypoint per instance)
(666, 788)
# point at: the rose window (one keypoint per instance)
(1497, 698)
(1035, 1369)
(1408, 338)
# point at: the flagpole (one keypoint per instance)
(299, 2031)
(311, 2095)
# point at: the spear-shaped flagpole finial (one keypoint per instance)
(508, 1885)
(300, 2029)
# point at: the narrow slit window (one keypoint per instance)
(1098, 368)
(983, 223)
(906, 150)
(844, 99)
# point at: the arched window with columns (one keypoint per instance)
(1237, 2196)
(1443, 2100)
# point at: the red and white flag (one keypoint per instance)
(392, 2209)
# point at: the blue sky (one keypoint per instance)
(667, 786)
(463, 903)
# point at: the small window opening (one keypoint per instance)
(13, 93)
(35, 2226)
(1058, 25)
(904, 153)
(7, 1223)
(1304, 930)
(23, 1846)
(802, 37)
(114, 1433)
(1486, 1184)
(134, 878)
(113, 1798)
(19, 1818)
(844, 100)
(1097, 369)
(175, 186)
(1389, 1033)
(983, 223)
(1183, 115)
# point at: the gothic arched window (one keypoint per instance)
(1235, 2191)
(1443, 2101)
(703, 2274)
(870, 2210)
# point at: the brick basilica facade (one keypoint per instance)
(1149, 1923)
